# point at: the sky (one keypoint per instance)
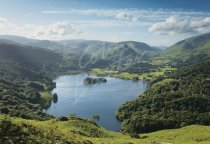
(156, 22)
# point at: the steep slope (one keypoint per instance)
(35, 57)
(86, 54)
(80, 131)
(179, 100)
(25, 79)
(138, 49)
(83, 46)
(45, 44)
(122, 54)
(192, 49)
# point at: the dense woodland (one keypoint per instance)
(174, 100)
(171, 102)
(24, 73)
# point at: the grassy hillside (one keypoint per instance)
(28, 56)
(194, 134)
(45, 44)
(189, 50)
(80, 131)
(98, 54)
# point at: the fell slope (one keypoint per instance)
(192, 49)
(86, 54)
(25, 79)
(27, 55)
(80, 131)
(122, 54)
(181, 99)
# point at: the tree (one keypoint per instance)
(55, 98)
(96, 117)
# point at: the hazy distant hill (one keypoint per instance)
(104, 54)
(11, 52)
(93, 53)
(32, 42)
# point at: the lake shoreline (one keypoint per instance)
(76, 98)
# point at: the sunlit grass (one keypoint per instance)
(80, 130)
(127, 75)
(46, 99)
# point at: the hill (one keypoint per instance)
(26, 79)
(81, 131)
(180, 99)
(45, 44)
(122, 54)
(189, 51)
(27, 55)
(87, 54)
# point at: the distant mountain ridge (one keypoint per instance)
(88, 54)
(72, 44)
(11, 52)
(94, 53)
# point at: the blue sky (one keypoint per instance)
(156, 22)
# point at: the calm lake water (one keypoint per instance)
(85, 100)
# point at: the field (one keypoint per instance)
(127, 75)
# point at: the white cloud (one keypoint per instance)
(86, 24)
(181, 25)
(127, 17)
(104, 24)
(7, 27)
(55, 31)
(133, 14)
(59, 30)
(120, 14)
(123, 16)
(3, 21)
(98, 12)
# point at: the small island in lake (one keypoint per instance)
(90, 80)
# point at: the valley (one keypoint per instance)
(173, 96)
(104, 72)
(103, 99)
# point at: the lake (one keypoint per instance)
(85, 100)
